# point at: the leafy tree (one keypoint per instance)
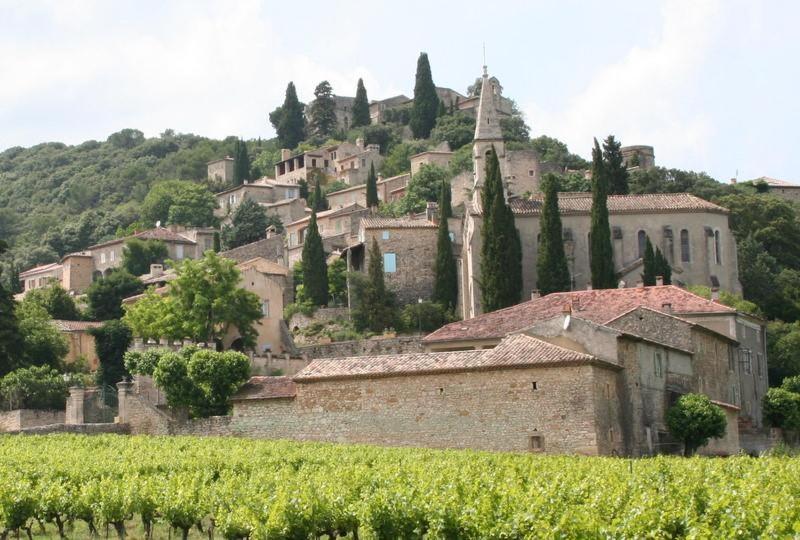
(180, 203)
(783, 351)
(372, 187)
(514, 129)
(248, 224)
(303, 186)
(322, 119)
(202, 303)
(445, 285)
(398, 159)
(456, 129)
(337, 281)
(423, 187)
(662, 180)
(35, 387)
(138, 255)
(424, 317)
(426, 101)
(461, 161)
(126, 138)
(104, 296)
(288, 120)
(614, 167)
(10, 338)
(111, 341)
(384, 136)
(649, 266)
(501, 253)
(42, 343)
(601, 254)
(551, 264)
(764, 282)
(56, 301)
(445, 201)
(728, 299)
(360, 106)
(694, 420)
(782, 408)
(315, 269)
(217, 242)
(554, 151)
(662, 267)
(241, 163)
(375, 305)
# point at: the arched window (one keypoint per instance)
(641, 238)
(717, 248)
(685, 246)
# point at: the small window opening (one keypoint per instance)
(534, 386)
(536, 443)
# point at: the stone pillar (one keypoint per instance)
(123, 394)
(74, 412)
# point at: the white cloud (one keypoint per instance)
(646, 97)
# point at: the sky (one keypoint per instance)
(712, 85)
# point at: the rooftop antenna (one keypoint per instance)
(484, 58)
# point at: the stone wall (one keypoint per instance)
(364, 347)
(82, 429)
(269, 248)
(321, 315)
(268, 365)
(27, 418)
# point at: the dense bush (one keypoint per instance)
(425, 316)
(37, 387)
(694, 420)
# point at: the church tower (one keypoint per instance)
(487, 130)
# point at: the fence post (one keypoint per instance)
(123, 392)
(74, 413)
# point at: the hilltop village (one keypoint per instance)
(474, 292)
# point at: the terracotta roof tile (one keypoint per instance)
(266, 388)
(776, 182)
(581, 203)
(38, 269)
(159, 233)
(514, 351)
(598, 306)
(75, 326)
(397, 223)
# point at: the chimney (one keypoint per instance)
(640, 284)
(715, 294)
(621, 284)
(666, 307)
(285, 154)
(360, 143)
(566, 309)
(733, 180)
(156, 270)
(535, 294)
(659, 281)
(380, 177)
(431, 211)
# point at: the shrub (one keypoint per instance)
(694, 420)
(782, 408)
(34, 387)
(427, 316)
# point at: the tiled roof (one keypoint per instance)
(581, 203)
(775, 182)
(39, 269)
(75, 326)
(397, 223)
(598, 306)
(266, 388)
(159, 233)
(513, 352)
(264, 266)
(349, 209)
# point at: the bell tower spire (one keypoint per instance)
(487, 129)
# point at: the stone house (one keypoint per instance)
(343, 107)
(358, 194)
(354, 169)
(780, 188)
(323, 161)
(277, 199)
(81, 342)
(638, 157)
(221, 170)
(338, 228)
(440, 156)
(377, 109)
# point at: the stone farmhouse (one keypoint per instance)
(338, 228)
(347, 162)
(389, 190)
(221, 170)
(780, 188)
(277, 199)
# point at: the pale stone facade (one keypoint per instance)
(81, 342)
(638, 157)
(221, 170)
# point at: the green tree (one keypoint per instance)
(138, 255)
(649, 266)
(514, 129)
(337, 281)
(694, 420)
(202, 303)
(600, 251)
(104, 296)
(36, 387)
(662, 267)
(551, 263)
(614, 167)
(445, 285)
(445, 201)
(315, 269)
(217, 242)
(111, 341)
(303, 187)
(42, 343)
(248, 224)
(424, 317)
(180, 203)
(426, 101)
(783, 351)
(501, 253)
(456, 130)
(423, 187)
(318, 202)
(372, 187)
(322, 119)
(360, 107)
(782, 409)
(554, 151)
(56, 301)
(398, 159)
(376, 308)
(241, 163)
(10, 339)
(288, 120)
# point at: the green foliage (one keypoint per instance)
(317, 201)
(501, 252)
(179, 202)
(384, 136)
(552, 150)
(360, 106)
(34, 387)
(783, 350)
(662, 267)
(694, 420)
(445, 201)
(111, 341)
(601, 255)
(426, 101)
(322, 113)
(337, 281)
(104, 296)
(241, 163)
(424, 316)
(398, 158)
(461, 161)
(514, 129)
(10, 339)
(782, 408)
(138, 255)
(445, 285)
(315, 268)
(217, 242)
(375, 307)
(42, 343)
(372, 187)
(614, 167)
(551, 263)
(202, 303)
(56, 301)
(143, 362)
(248, 224)
(456, 129)
(728, 299)
(649, 266)
(288, 119)
(423, 187)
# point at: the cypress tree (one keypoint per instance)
(315, 269)
(662, 267)
(445, 287)
(551, 265)
(292, 124)
(376, 310)
(649, 270)
(442, 109)
(318, 202)
(323, 111)
(217, 242)
(426, 101)
(601, 251)
(501, 254)
(303, 185)
(372, 187)
(360, 107)
(241, 163)
(615, 167)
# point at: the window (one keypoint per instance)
(641, 238)
(452, 236)
(734, 394)
(352, 164)
(536, 443)
(746, 359)
(102, 258)
(685, 246)
(265, 308)
(760, 365)
(531, 172)
(389, 262)
(111, 256)
(363, 162)
(534, 385)
(658, 364)
(731, 359)
(292, 239)
(385, 235)
(313, 162)
(338, 226)
(326, 163)
(179, 251)
(717, 248)
(207, 244)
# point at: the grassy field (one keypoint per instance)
(238, 488)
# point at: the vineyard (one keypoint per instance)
(69, 486)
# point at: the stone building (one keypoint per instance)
(343, 107)
(440, 156)
(387, 191)
(80, 341)
(221, 170)
(780, 188)
(639, 157)
(338, 228)
(354, 169)
(322, 161)
(278, 199)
